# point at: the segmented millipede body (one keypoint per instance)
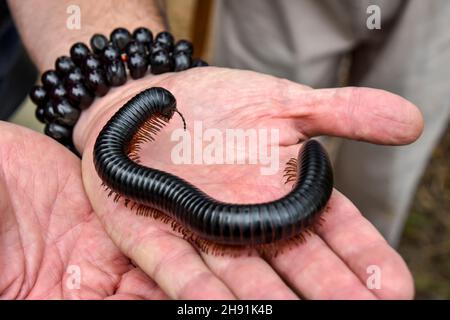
(117, 163)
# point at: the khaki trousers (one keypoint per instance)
(312, 42)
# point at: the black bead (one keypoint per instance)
(38, 95)
(80, 96)
(161, 62)
(98, 43)
(78, 52)
(57, 93)
(156, 46)
(165, 38)
(66, 114)
(40, 114)
(116, 75)
(135, 46)
(74, 76)
(50, 79)
(182, 61)
(58, 132)
(96, 82)
(49, 112)
(63, 65)
(137, 64)
(143, 35)
(111, 53)
(198, 63)
(91, 63)
(183, 46)
(120, 37)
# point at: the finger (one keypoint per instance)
(315, 272)
(364, 114)
(356, 241)
(137, 284)
(249, 277)
(169, 260)
(178, 269)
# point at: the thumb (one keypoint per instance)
(365, 114)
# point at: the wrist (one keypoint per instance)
(43, 25)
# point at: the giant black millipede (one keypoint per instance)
(199, 216)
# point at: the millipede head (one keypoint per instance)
(167, 103)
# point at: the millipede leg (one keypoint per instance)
(290, 172)
(144, 134)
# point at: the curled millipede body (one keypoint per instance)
(156, 193)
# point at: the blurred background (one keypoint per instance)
(425, 243)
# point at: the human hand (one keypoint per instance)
(48, 229)
(332, 263)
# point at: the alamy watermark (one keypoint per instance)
(374, 279)
(373, 21)
(73, 280)
(73, 21)
(230, 146)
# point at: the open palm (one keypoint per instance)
(52, 245)
(334, 261)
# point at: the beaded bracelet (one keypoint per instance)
(76, 80)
